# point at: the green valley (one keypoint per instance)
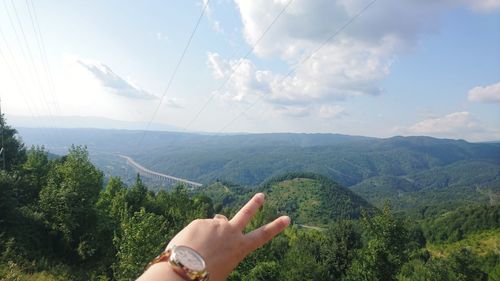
(62, 218)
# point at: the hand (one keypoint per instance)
(222, 243)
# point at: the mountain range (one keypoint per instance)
(412, 172)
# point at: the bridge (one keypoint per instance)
(158, 176)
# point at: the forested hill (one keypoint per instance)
(123, 140)
(412, 172)
(309, 199)
(250, 159)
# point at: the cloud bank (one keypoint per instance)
(113, 82)
(352, 64)
(453, 125)
(490, 93)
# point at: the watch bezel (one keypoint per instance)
(182, 269)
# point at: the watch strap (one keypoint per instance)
(184, 272)
(164, 256)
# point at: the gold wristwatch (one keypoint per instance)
(185, 261)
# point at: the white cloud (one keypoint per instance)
(293, 110)
(331, 111)
(352, 64)
(217, 26)
(334, 74)
(484, 5)
(490, 93)
(113, 82)
(308, 22)
(456, 125)
(246, 81)
(173, 102)
(451, 124)
(160, 36)
(98, 93)
(209, 12)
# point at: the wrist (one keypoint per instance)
(161, 271)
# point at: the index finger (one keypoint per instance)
(262, 235)
(245, 214)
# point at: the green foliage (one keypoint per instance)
(494, 275)
(339, 248)
(312, 199)
(13, 147)
(136, 197)
(14, 272)
(437, 190)
(264, 271)
(67, 202)
(306, 257)
(58, 222)
(386, 251)
(142, 237)
(461, 266)
(455, 225)
(8, 201)
(34, 171)
(481, 243)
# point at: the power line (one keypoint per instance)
(238, 65)
(21, 90)
(9, 68)
(323, 44)
(32, 60)
(10, 49)
(33, 111)
(169, 83)
(33, 72)
(43, 54)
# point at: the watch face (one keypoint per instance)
(189, 258)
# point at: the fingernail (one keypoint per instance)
(286, 220)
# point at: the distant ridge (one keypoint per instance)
(85, 122)
(413, 172)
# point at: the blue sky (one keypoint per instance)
(401, 68)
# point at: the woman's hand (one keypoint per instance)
(222, 243)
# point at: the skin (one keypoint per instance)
(221, 242)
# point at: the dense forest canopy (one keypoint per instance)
(59, 220)
(413, 172)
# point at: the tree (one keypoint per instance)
(34, 173)
(264, 271)
(111, 208)
(67, 202)
(142, 238)
(303, 259)
(13, 147)
(112, 200)
(461, 265)
(419, 270)
(495, 274)
(464, 266)
(337, 250)
(136, 196)
(8, 202)
(386, 251)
